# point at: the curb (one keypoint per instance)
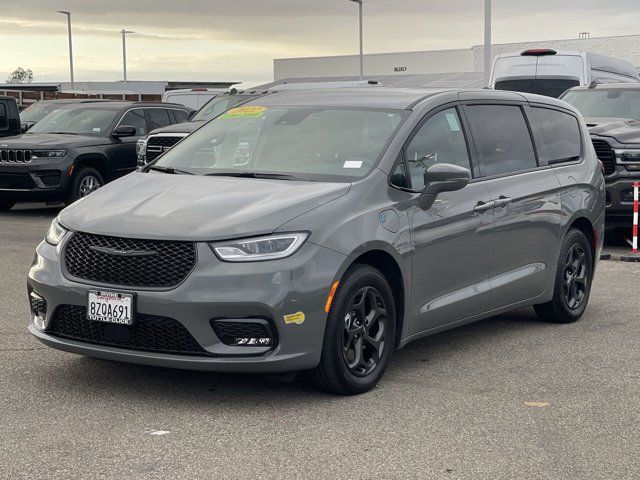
(632, 257)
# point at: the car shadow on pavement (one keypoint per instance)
(198, 389)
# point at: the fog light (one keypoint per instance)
(261, 341)
(38, 310)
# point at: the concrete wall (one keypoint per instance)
(435, 61)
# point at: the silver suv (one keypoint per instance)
(321, 230)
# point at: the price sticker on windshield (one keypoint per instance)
(249, 111)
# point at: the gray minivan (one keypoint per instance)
(320, 230)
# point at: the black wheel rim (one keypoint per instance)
(363, 336)
(575, 279)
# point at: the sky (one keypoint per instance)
(237, 40)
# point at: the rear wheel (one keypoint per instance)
(6, 205)
(359, 335)
(573, 281)
(86, 181)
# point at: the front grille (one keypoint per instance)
(148, 332)
(14, 156)
(158, 145)
(127, 261)
(606, 155)
(16, 181)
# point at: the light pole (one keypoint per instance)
(124, 52)
(487, 41)
(68, 14)
(360, 2)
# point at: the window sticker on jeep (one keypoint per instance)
(96, 129)
(453, 122)
(244, 112)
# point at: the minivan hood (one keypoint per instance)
(51, 140)
(624, 130)
(157, 205)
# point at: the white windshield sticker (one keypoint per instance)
(453, 122)
(97, 129)
(352, 164)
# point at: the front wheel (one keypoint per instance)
(572, 283)
(86, 181)
(359, 335)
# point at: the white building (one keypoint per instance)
(465, 64)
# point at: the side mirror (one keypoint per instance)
(442, 177)
(124, 131)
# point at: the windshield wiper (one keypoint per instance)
(171, 170)
(277, 176)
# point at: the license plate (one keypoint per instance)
(110, 307)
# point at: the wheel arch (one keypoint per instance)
(585, 225)
(96, 161)
(389, 262)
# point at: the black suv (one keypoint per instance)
(162, 139)
(612, 113)
(9, 117)
(77, 149)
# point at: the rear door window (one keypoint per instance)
(439, 140)
(158, 117)
(557, 135)
(502, 138)
(4, 119)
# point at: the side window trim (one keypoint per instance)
(481, 176)
(537, 134)
(402, 157)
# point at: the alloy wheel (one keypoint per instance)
(363, 338)
(88, 185)
(574, 287)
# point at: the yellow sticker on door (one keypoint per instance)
(297, 318)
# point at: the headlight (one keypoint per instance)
(260, 248)
(629, 155)
(48, 153)
(141, 147)
(55, 233)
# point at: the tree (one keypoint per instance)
(20, 75)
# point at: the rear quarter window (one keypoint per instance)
(557, 135)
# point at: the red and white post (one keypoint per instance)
(636, 186)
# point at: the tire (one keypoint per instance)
(82, 182)
(573, 281)
(346, 327)
(5, 206)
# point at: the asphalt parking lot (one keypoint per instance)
(505, 398)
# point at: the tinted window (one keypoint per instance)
(550, 87)
(135, 118)
(4, 121)
(158, 117)
(559, 135)
(502, 137)
(439, 140)
(180, 116)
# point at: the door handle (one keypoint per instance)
(502, 201)
(484, 206)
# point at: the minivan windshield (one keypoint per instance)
(219, 105)
(608, 103)
(306, 143)
(79, 121)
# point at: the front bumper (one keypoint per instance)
(214, 289)
(38, 180)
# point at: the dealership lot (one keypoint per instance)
(508, 397)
